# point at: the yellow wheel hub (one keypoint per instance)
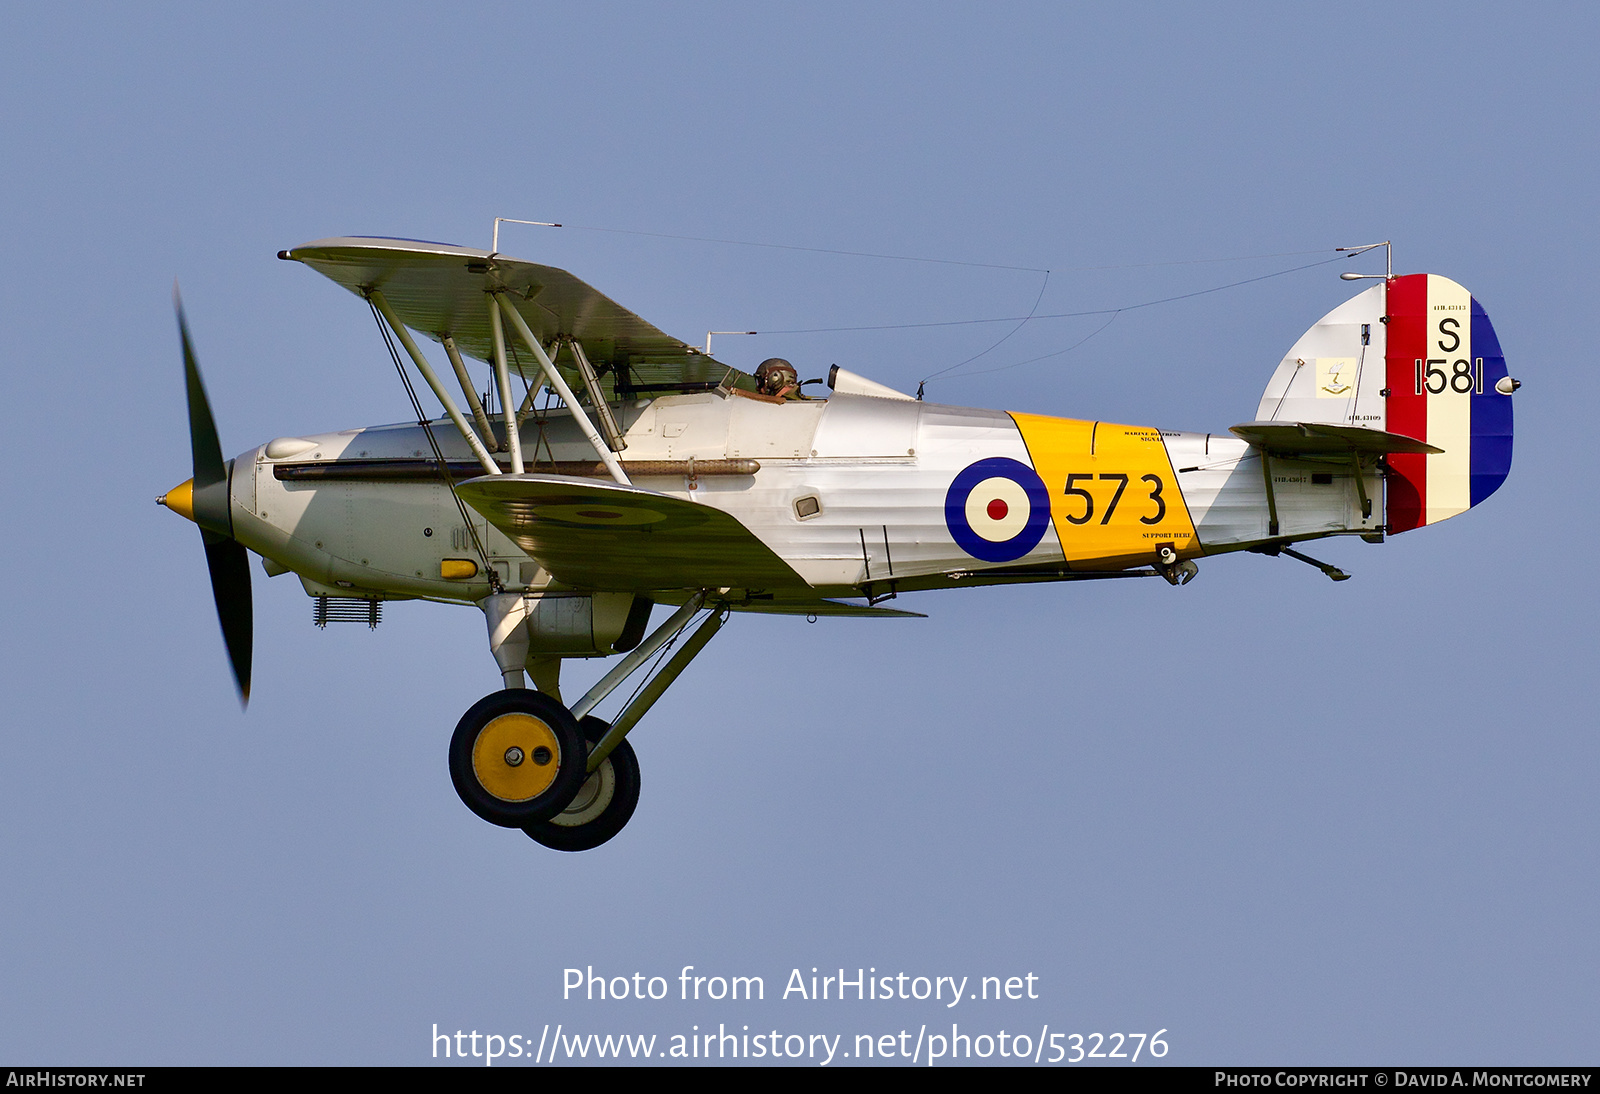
(516, 757)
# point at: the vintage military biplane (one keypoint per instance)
(656, 475)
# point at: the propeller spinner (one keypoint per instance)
(204, 500)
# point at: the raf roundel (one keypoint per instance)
(997, 509)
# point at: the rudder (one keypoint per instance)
(1446, 385)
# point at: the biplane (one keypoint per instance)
(604, 468)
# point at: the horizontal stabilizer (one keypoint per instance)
(598, 535)
(1319, 438)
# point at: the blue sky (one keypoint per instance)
(1287, 821)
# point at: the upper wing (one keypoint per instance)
(599, 535)
(439, 290)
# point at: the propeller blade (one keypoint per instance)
(229, 563)
(226, 557)
(209, 467)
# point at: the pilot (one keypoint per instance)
(777, 378)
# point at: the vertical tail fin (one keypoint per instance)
(1417, 356)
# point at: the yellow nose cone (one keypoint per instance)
(180, 499)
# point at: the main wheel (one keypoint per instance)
(602, 805)
(517, 757)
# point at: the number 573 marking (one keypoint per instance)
(1075, 491)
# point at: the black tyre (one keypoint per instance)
(601, 807)
(517, 757)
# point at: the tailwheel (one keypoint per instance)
(517, 757)
(601, 807)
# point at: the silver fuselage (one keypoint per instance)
(878, 469)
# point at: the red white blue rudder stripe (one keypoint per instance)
(1444, 368)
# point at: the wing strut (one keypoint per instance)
(597, 398)
(1272, 501)
(428, 374)
(502, 378)
(478, 413)
(607, 457)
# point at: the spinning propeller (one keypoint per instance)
(204, 499)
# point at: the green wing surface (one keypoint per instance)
(598, 535)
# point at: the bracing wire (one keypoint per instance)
(433, 443)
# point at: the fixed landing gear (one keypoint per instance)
(603, 804)
(517, 757)
(570, 781)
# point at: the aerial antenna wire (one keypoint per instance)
(794, 247)
(1114, 312)
(910, 258)
(1022, 323)
(1044, 356)
(1342, 252)
(1053, 315)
